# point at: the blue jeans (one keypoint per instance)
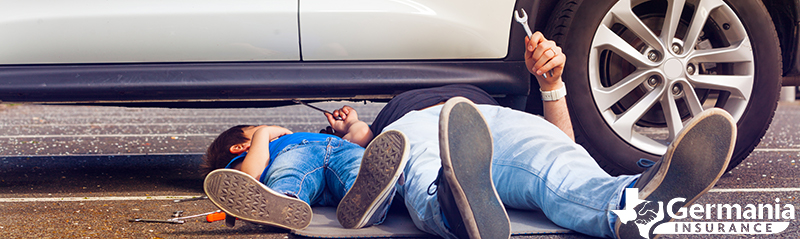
(317, 172)
(535, 166)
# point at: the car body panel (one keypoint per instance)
(404, 29)
(98, 31)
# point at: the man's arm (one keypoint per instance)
(543, 56)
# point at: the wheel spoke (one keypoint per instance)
(671, 115)
(742, 52)
(606, 39)
(738, 86)
(704, 8)
(624, 124)
(692, 100)
(624, 14)
(607, 97)
(671, 21)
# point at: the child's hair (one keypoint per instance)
(218, 154)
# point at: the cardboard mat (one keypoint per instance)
(398, 224)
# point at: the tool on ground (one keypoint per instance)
(524, 21)
(191, 199)
(197, 215)
(314, 107)
(216, 216)
(156, 220)
(177, 213)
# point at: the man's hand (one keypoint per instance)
(543, 56)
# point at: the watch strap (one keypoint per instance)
(554, 95)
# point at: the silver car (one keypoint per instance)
(636, 71)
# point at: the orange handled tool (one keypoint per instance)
(217, 216)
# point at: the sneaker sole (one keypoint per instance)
(697, 157)
(240, 195)
(383, 162)
(466, 151)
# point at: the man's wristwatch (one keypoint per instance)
(553, 95)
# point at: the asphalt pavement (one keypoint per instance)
(84, 171)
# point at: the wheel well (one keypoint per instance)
(784, 16)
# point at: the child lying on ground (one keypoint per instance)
(270, 175)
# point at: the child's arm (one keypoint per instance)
(352, 129)
(258, 154)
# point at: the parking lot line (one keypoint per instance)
(103, 136)
(748, 190)
(84, 199)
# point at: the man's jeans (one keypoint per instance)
(535, 166)
(317, 172)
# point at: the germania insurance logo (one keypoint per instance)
(750, 219)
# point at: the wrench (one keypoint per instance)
(524, 21)
(193, 216)
(296, 101)
(155, 220)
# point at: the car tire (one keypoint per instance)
(618, 125)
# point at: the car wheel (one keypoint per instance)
(631, 85)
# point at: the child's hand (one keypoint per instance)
(274, 132)
(349, 117)
(350, 127)
(543, 56)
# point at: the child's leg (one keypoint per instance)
(298, 171)
(243, 197)
(341, 168)
(369, 197)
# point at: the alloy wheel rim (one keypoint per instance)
(647, 82)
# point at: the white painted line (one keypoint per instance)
(103, 155)
(776, 150)
(86, 199)
(753, 190)
(104, 135)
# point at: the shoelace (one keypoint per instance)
(645, 163)
(435, 182)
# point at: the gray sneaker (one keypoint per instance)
(691, 166)
(465, 190)
(240, 195)
(368, 200)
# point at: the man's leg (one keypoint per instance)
(467, 179)
(465, 189)
(420, 197)
(693, 163)
(368, 199)
(538, 167)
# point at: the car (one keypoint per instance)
(637, 69)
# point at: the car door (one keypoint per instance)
(404, 29)
(99, 31)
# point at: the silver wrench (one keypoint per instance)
(524, 21)
(296, 101)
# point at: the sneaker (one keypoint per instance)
(240, 195)
(466, 193)
(692, 165)
(368, 200)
